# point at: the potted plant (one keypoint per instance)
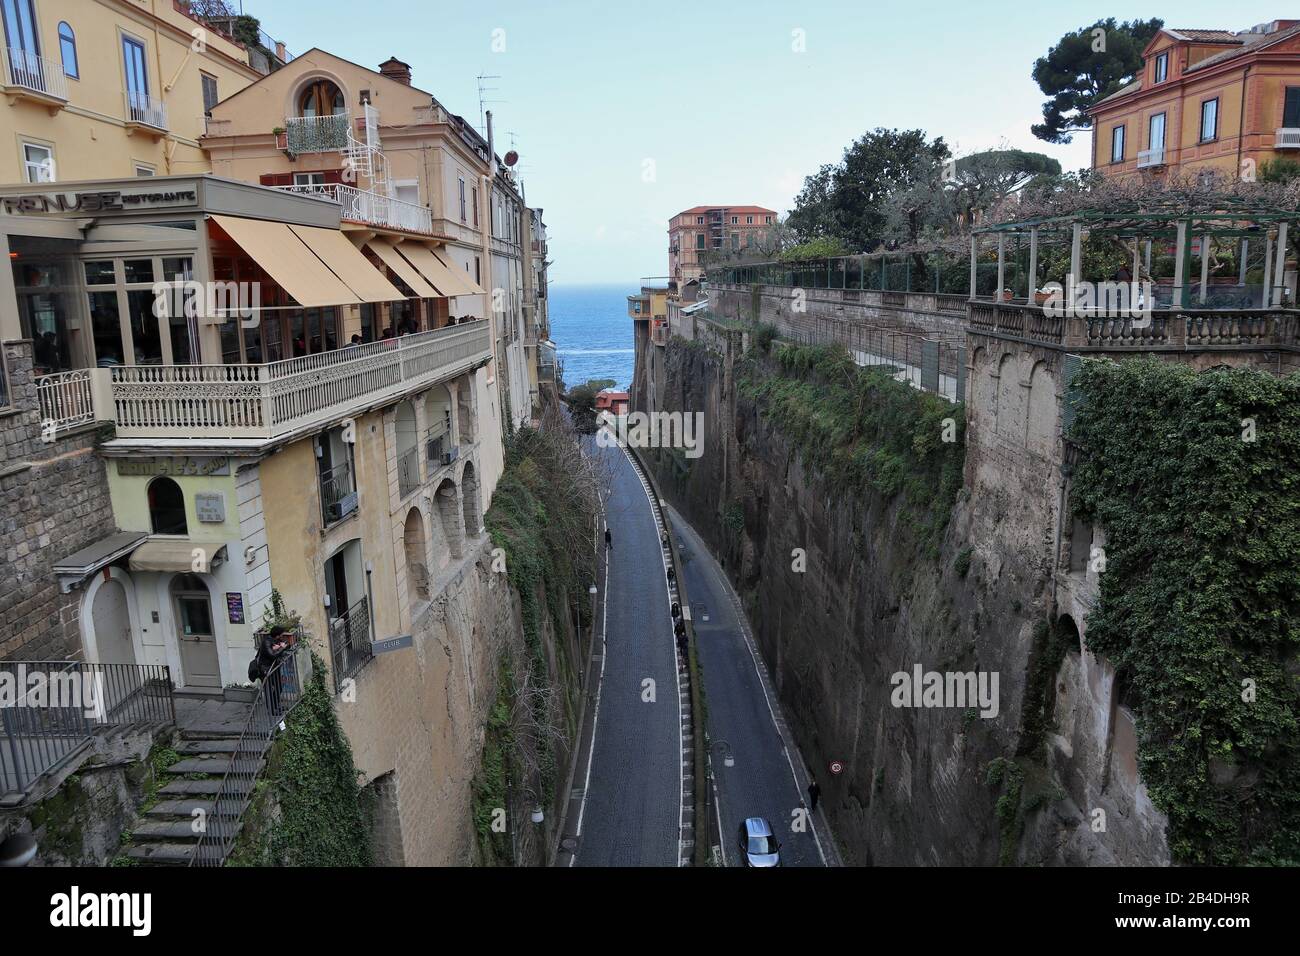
(281, 137)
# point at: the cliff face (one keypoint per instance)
(920, 785)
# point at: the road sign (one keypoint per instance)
(386, 644)
(836, 767)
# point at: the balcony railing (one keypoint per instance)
(266, 401)
(317, 134)
(1150, 157)
(37, 734)
(350, 646)
(438, 448)
(1287, 138)
(66, 400)
(145, 110)
(338, 493)
(28, 71)
(408, 471)
(362, 205)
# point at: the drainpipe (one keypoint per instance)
(1241, 117)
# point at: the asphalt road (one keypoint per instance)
(631, 805)
(767, 780)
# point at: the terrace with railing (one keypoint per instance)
(369, 207)
(35, 77)
(350, 646)
(317, 134)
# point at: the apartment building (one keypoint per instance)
(103, 89)
(1205, 99)
(701, 228)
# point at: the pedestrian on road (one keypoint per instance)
(681, 638)
(609, 539)
(814, 793)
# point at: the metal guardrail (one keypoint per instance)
(281, 690)
(56, 706)
(37, 73)
(350, 642)
(337, 493)
(408, 471)
(145, 109)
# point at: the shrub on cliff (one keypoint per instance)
(862, 430)
(1195, 478)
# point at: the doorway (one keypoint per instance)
(195, 634)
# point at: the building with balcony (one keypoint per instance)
(648, 310)
(1205, 99)
(112, 88)
(701, 228)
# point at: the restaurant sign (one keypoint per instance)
(114, 200)
(185, 465)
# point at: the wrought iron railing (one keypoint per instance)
(65, 400)
(55, 707)
(408, 471)
(438, 447)
(350, 642)
(317, 134)
(281, 690)
(338, 493)
(29, 71)
(145, 109)
(368, 206)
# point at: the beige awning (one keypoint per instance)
(404, 270)
(435, 270)
(176, 554)
(288, 261)
(473, 287)
(348, 264)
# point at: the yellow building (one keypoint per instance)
(1205, 99)
(102, 89)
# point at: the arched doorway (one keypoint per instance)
(321, 98)
(447, 524)
(195, 633)
(417, 570)
(408, 456)
(112, 623)
(469, 494)
(166, 507)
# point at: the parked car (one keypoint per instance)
(758, 844)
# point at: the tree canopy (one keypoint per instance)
(1085, 66)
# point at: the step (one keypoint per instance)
(209, 787)
(162, 830)
(216, 745)
(162, 854)
(214, 764)
(180, 808)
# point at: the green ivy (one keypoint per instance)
(1200, 596)
(863, 431)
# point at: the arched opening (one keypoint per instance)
(417, 570)
(112, 623)
(465, 412)
(469, 494)
(166, 507)
(449, 541)
(195, 633)
(321, 98)
(408, 456)
(437, 427)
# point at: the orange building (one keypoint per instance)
(700, 228)
(1205, 99)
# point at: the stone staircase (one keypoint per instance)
(167, 833)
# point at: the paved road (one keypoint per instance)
(763, 781)
(631, 807)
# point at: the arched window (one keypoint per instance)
(167, 507)
(321, 98)
(68, 50)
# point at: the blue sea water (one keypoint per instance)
(592, 332)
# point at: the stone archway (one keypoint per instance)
(448, 537)
(417, 568)
(470, 502)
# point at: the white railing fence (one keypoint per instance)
(1287, 138)
(363, 205)
(1151, 157)
(237, 401)
(26, 69)
(66, 400)
(145, 109)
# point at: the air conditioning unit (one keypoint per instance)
(451, 454)
(340, 509)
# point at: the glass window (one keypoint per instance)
(144, 171)
(138, 270)
(1291, 108)
(177, 268)
(1117, 144)
(68, 50)
(166, 507)
(100, 272)
(38, 163)
(1162, 67)
(1209, 119)
(20, 26)
(106, 329)
(145, 338)
(137, 75)
(1156, 140)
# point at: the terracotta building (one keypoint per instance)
(700, 228)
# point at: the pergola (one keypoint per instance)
(1253, 233)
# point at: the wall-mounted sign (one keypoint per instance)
(114, 200)
(385, 644)
(235, 607)
(182, 466)
(210, 506)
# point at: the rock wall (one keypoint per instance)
(920, 785)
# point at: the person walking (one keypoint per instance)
(814, 794)
(609, 540)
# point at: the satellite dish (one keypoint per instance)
(511, 158)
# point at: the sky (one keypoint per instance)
(626, 113)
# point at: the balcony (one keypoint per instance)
(281, 399)
(1287, 138)
(438, 448)
(145, 113)
(338, 494)
(36, 78)
(371, 208)
(1148, 158)
(350, 645)
(66, 401)
(317, 134)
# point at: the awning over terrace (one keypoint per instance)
(346, 262)
(388, 254)
(436, 271)
(288, 260)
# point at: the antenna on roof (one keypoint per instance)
(483, 101)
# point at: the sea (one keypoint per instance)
(592, 331)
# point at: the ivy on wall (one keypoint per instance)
(862, 430)
(1195, 478)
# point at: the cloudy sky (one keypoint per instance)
(625, 113)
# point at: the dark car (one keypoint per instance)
(758, 845)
